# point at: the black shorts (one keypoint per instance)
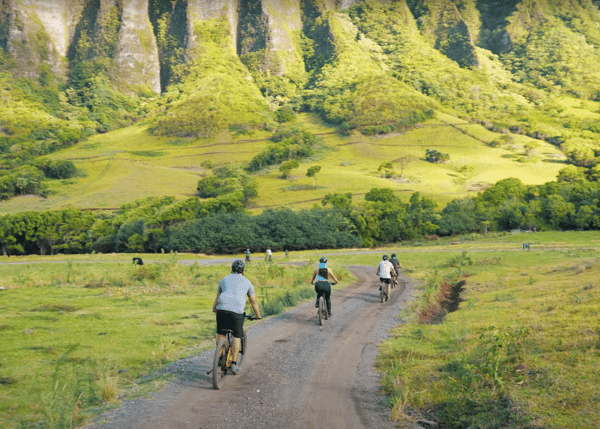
(386, 281)
(232, 321)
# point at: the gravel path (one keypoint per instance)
(296, 373)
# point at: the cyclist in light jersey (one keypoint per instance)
(322, 284)
(385, 271)
(229, 306)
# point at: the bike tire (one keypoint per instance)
(219, 363)
(240, 358)
(387, 293)
(381, 292)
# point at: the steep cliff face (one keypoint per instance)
(202, 10)
(40, 32)
(136, 55)
(283, 23)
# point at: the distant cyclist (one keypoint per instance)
(385, 271)
(269, 254)
(247, 255)
(229, 306)
(323, 286)
(397, 265)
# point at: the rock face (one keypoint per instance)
(40, 32)
(201, 10)
(283, 20)
(136, 55)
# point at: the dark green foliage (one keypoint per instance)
(291, 143)
(432, 155)
(61, 169)
(169, 21)
(228, 179)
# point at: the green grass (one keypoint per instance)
(521, 351)
(69, 329)
(128, 164)
(77, 334)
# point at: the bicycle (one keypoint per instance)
(384, 291)
(322, 313)
(222, 359)
(322, 310)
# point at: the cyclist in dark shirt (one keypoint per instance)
(397, 265)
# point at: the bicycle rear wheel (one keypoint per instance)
(320, 311)
(381, 292)
(220, 363)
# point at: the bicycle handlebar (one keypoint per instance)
(250, 317)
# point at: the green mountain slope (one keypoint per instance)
(516, 83)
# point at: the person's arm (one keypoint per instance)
(254, 304)
(378, 266)
(313, 277)
(332, 275)
(216, 302)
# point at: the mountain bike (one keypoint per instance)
(222, 360)
(322, 313)
(322, 310)
(384, 291)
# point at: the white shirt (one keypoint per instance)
(385, 269)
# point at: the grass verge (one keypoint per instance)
(521, 351)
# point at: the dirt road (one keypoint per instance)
(296, 373)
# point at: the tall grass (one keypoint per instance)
(522, 351)
(79, 335)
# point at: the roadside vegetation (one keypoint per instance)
(500, 338)
(80, 333)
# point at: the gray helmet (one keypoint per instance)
(238, 266)
(323, 260)
(385, 257)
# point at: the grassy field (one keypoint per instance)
(129, 163)
(80, 331)
(523, 349)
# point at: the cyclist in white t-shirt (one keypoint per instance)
(385, 271)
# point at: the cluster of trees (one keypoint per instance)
(221, 224)
(571, 203)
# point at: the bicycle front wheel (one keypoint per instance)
(220, 363)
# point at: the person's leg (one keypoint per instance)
(235, 349)
(327, 295)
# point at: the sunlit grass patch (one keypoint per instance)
(79, 334)
(521, 350)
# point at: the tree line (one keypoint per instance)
(223, 225)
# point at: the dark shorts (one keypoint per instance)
(232, 321)
(386, 281)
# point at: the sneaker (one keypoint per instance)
(329, 313)
(317, 304)
(234, 369)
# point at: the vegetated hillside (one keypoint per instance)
(526, 72)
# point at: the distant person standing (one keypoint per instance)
(269, 254)
(247, 255)
(397, 265)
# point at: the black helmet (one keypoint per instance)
(393, 255)
(238, 266)
(385, 257)
(323, 260)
